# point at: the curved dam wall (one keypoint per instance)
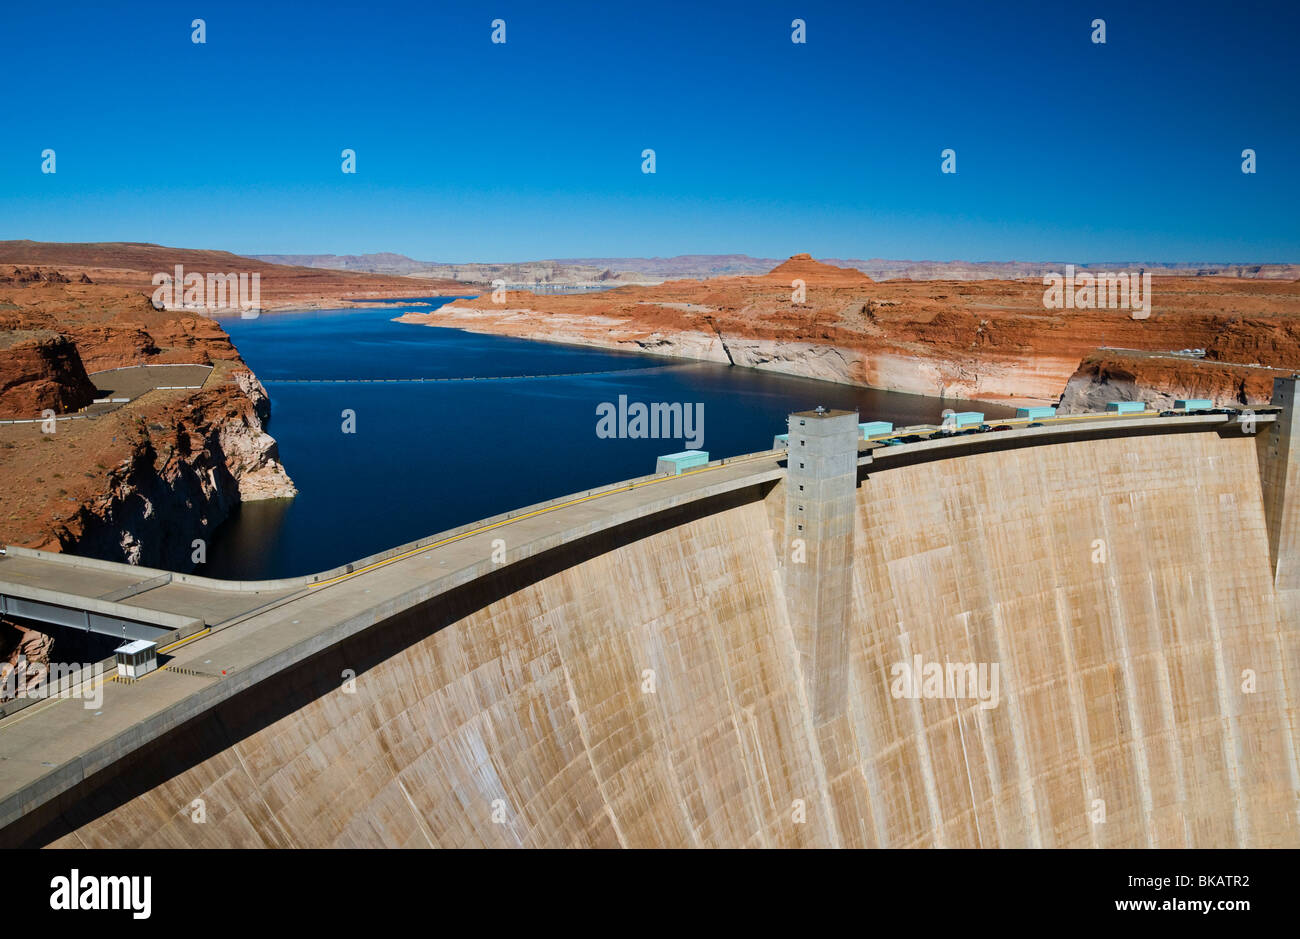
(656, 690)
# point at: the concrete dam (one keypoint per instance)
(1084, 633)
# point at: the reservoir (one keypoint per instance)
(395, 431)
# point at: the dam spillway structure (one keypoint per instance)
(1076, 633)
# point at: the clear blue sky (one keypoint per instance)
(468, 150)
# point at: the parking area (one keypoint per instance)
(119, 386)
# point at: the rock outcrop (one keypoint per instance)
(803, 267)
(40, 370)
(114, 345)
(24, 659)
(25, 275)
(1160, 381)
(251, 454)
(1254, 340)
(185, 471)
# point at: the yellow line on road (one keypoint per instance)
(73, 694)
(180, 642)
(30, 711)
(1096, 417)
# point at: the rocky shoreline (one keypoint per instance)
(187, 468)
(145, 481)
(989, 341)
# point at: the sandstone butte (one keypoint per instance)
(140, 482)
(990, 340)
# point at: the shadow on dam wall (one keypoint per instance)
(647, 687)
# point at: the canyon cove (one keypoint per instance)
(447, 427)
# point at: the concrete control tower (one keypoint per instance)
(822, 476)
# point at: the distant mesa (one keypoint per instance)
(812, 272)
(133, 265)
(592, 272)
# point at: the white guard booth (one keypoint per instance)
(136, 658)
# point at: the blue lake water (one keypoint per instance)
(429, 456)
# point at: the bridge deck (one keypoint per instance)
(34, 572)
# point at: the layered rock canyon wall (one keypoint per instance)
(988, 340)
(186, 466)
(136, 481)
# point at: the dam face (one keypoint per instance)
(662, 690)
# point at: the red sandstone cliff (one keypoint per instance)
(40, 370)
(139, 482)
(990, 340)
(24, 659)
(177, 471)
(1162, 380)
